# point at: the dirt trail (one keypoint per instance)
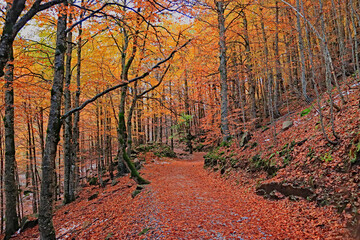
(184, 201)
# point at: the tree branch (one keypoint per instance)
(145, 74)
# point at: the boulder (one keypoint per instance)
(28, 223)
(274, 189)
(245, 138)
(276, 195)
(135, 193)
(286, 125)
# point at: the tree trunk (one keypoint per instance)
(302, 55)
(8, 35)
(69, 165)
(98, 147)
(329, 72)
(76, 130)
(279, 83)
(47, 231)
(11, 217)
(251, 80)
(129, 123)
(122, 169)
(223, 71)
(187, 118)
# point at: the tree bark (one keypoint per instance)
(69, 165)
(223, 71)
(11, 217)
(279, 83)
(122, 169)
(187, 118)
(251, 80)
(302, 55)
(47, 231)
(76, 130)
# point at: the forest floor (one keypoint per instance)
(185, 201)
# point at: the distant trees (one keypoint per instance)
(302, 59)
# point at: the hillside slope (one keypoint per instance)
(299, 162)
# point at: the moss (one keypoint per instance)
(266, 165)
(226, 144)
(93, 181)
(213, 158)
(134, 173)
(159, 149)
(144, 231)
(135, 193)
(286, 153)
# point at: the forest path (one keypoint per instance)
(185, 201)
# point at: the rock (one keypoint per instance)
(114, 182)
(92, 197)
(27, 223)
(137, 163)
(245, 138)
(286, 125)
(138, 190)
(284, 189)
(276, 195)
(294, 198)
(135, 193)
(260, 192)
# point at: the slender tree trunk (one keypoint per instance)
(251, 80)
(187, 110)
(47, 231)
(36, 174)
(269, 77)
(31, 161)
(11, 217)
(340, 33)
(69, 166)
(279, 83)
(223, 71)
(328, 68)
(40, 125)
(76, 130)
(302, 55)
(18, 194)
(98, 147)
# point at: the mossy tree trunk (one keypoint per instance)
(122, 141)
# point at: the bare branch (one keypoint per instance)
(145, 74)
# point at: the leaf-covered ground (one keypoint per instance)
(184, 201)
